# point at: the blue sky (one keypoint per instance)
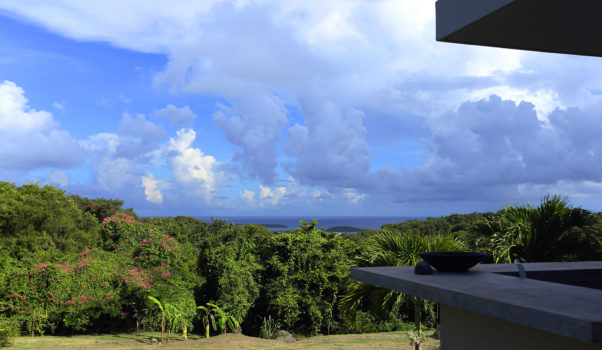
(288, 107)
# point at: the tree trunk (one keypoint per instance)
(162, 326)
(137, 326)
(206, 326)
(418, 320)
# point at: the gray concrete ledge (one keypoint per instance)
(560, 26)
(489, 290)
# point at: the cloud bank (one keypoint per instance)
(328, 93)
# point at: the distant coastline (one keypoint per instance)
(289, 223)
(273, 225)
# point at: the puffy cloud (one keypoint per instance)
(265, 196)
(137, 136)
(331, 149)
(254, 123)
(116, 174)
(248, 196)
(352, 195)
(498, 149)
(183, 116)
(117, 157)
(152, 188)
(271, 196)
(31, 139)
(191, 168)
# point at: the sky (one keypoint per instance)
(288, 107)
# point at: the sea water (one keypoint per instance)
(286, 223)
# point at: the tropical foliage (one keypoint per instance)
(394, 248)
(552, 231)
(72, 265)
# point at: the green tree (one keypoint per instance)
(305, 271)
(32, 211)
(101, 207)
(230, 262)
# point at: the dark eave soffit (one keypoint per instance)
(560, 26)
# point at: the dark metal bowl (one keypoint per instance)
(453, 261)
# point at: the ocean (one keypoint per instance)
(286, 223)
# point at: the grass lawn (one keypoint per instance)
(373, 341)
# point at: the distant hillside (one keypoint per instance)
(344, 229)
(274, 225)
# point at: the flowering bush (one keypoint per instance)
(67, 295)
(121, 230)
(99, 287)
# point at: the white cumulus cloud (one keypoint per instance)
(248, 196)
(152, 188)
(190, 167)
(271, 196)
(31, 139)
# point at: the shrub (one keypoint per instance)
(394, 323)
(269, 328)
(8, 331)
(356, 321)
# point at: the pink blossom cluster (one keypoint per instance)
(119, 218)
(139, 278)
(65, 267)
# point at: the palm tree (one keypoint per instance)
(393, 248)
(553, 231)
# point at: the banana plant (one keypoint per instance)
(162, 315)
(171, 313)
(220, 321)
(206, 314)
(181, 320)
(223, 320)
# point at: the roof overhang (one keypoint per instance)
(560, 26)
